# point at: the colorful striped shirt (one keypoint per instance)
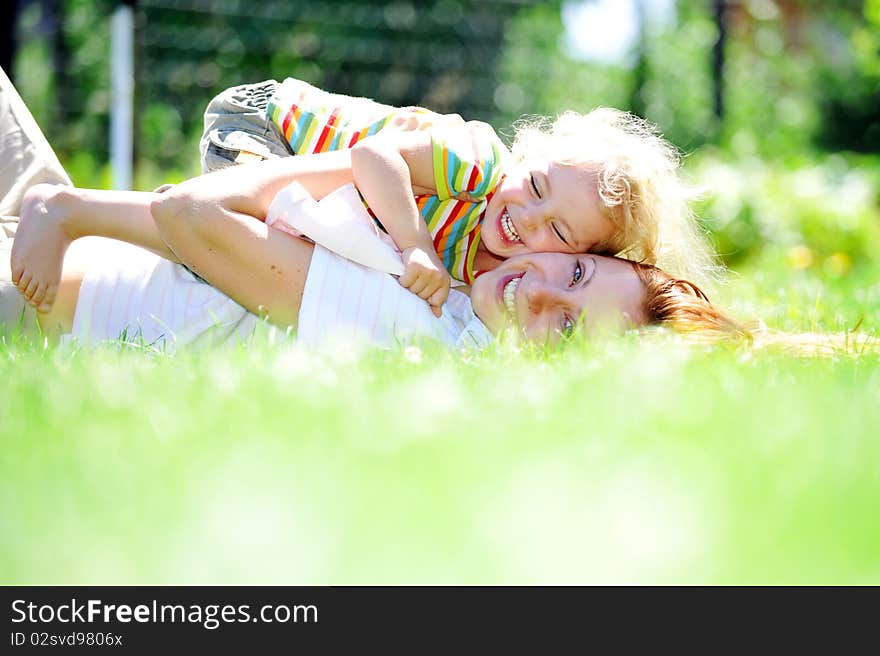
(468, 158)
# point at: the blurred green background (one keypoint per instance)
(641, 459)
(776, 103)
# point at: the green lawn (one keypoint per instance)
(631, 460)
(636, 459)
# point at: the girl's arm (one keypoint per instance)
(387, 168)
(122, 215)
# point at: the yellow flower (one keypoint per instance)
(838, 264)
(800, 257)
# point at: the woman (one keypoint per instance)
(126, 290)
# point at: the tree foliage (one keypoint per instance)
(800, 80)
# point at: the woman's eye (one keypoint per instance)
(577, 275)
(535, 186)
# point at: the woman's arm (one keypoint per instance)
(262, 269)
(214, 224)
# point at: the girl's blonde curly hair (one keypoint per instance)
(638, 181)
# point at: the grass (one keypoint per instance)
(645, 460)
(635, 459)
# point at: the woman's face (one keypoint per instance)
(546, 295)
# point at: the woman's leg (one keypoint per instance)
(26, 158)
(53, 216)
(15, 314)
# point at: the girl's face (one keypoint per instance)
(543, 206)
(545, 295)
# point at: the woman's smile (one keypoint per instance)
(509, 296)
(545, 294)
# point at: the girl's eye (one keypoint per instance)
(567, 327)
(558, 234)
(577, 275)
(535, 186)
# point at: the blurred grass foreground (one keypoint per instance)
(638, 459)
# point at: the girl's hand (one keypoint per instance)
(426, 277)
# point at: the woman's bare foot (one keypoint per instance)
(40, 242)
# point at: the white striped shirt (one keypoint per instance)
(137, 296)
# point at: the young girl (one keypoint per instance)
(604, 182)
(454, 200)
